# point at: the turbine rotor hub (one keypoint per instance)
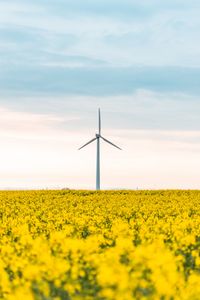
(97, 135)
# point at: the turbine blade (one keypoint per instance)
(110, 143)
(87, 143)
(99, 122)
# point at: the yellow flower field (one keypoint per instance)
(100, 245)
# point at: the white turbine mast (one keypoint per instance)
(97, 138)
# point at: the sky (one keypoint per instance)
(138, 61)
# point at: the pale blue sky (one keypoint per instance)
(138, 60)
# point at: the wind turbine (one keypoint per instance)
(97, 138)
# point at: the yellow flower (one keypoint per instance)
(111, 245)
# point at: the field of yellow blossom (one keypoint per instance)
(108, 245)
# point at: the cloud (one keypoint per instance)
(142, 109)
(36, 152)
(76, 48)
(137, 60)
(28, 125)
(102, 80)
(120, 34)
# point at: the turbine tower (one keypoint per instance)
(97, 138)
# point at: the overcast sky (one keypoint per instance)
(138, 60)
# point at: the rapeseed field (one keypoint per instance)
(100, 245)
